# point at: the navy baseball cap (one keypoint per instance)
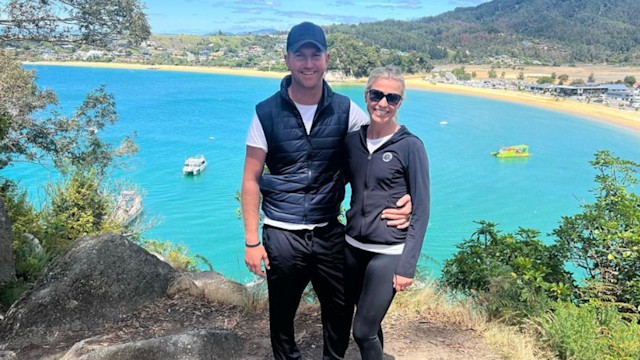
(305, 33)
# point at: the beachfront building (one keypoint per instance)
(539, 88)
(621, 93)
(590, 90)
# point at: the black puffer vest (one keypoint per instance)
(305, 183)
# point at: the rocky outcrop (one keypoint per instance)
(7, 355)
(218, 289)
(105, 286)
(202, 345)
(7, 264)
(98, 280)
(338, 76)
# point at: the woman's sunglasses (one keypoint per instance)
(393, 99)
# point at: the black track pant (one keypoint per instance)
(297, 258)
(370, 287)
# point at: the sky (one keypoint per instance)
(237, 16)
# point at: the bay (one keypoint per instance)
(179, 114)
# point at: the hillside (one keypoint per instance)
(549, 31)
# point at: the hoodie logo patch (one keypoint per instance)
(386, 157)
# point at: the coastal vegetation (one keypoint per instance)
(523, 32)
(32, 129)
(504, 33)
(591, 313)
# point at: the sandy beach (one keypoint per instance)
(625, 118)
(196, 69)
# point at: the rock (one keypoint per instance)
(7, 355)
(7, 263)
(337, 76)
(34, 243)
(184, 285)
(219, 289)
(193, 345)
(95, 282)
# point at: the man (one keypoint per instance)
(299, 134)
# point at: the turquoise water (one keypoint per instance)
(176, 115)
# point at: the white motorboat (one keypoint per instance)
(194, 165)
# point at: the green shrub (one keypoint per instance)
(29, 262)
(176, 255)
(590, 332)
(10, 292)
(78, 207)
(513, 275)
(604, 239)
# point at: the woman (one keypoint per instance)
(385, 161)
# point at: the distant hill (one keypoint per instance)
(254, 32)
(550, 31)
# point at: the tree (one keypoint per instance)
(65, 140)
(604, 239)
(521, 76)
(492, 73)
(461, 74)
(31, 128)
(97, 22)
(351, 56)
(563, 78)
(629, 80)
(591, 78)
(78, 207)
(545, 80)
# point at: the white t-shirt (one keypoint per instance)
(256, 138)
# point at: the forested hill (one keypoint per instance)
(550, 31)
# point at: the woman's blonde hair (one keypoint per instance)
(388, 72)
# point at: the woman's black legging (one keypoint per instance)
(369, 282)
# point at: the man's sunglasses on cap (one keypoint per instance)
(393, 99)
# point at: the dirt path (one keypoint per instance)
(403, 340)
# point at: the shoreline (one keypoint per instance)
(628, 119)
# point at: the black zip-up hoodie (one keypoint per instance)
(398, 167)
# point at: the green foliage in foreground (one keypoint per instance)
(10, 292)
(591, 331)
(604, 239)
(176, 255)
(25, 222)
(516, 276)
(78, 207)
(513, 275)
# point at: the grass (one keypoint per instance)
(430, 302)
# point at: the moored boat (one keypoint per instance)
(512, 151)
(194, 165)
